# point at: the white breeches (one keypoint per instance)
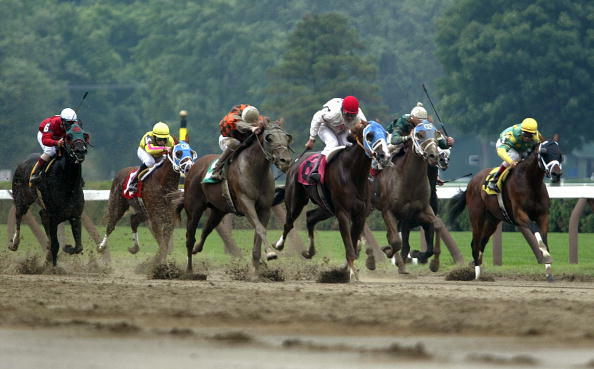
(332, 139)
(512, 154)
(145, 157)
(49, 151)
(225, 141)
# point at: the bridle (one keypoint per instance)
(547, 167)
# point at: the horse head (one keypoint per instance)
(75, 143)
(550, 159)
(375, 143)
(275, 144)
(424, 138)
(182, 157)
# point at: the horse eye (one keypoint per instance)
(290, 139)
(268, 138)
(369, 136)
(178, 154)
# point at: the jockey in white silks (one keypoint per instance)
(332, 123)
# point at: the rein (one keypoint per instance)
(369, 153)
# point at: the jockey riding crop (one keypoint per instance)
(436, 114)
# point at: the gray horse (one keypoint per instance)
(402, 194)
(248, 189)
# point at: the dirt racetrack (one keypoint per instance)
(126, 320)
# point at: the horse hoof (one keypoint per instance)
(134, 249)
(388, 251)
(271, 256)
(69, 249)
(370, 262)
(550, 278)
(434, 265)
(421, 258)
(12, 247)
(197, 248)
(306, 254)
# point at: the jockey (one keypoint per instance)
(512, 143)
(51, 135)
(153, 145)
(236, 127)
(332, 124)
(400, 130)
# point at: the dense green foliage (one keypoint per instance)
(143, 61)
(506, 60)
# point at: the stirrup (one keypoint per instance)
(316, 177)
(35, 179)
(493, 186)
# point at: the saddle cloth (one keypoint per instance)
(309, 163)
(145, 173)
(306, 167)
(500, 182)
(208, 176)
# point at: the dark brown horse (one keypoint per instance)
(347, 185)
(60, 193)
(251, 188)
(154, 205)
(402, 194)
(524, 195)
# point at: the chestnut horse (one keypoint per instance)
(60, 192)
(347, 185)
(402, 194)
(524, 195)
(250, 184)
(154, 204)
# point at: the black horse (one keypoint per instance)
(59, 193)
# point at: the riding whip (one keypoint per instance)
(457, 178)
(82, 100)
(436, 114)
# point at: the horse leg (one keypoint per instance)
(540, 231)
(295, 200)
(264, 216)
(194, 216)
(116, 211)
(20, 211)
(427, 220)
(214, 218)
(488, 227)
(135, 220)
(76, 227)
(251, 214)
(394, 240)
(345, 227)
(54, 243)
(313, 217)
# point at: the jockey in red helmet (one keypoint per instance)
(332, 124)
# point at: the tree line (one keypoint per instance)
(144, 60)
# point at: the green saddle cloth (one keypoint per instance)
(208, 176)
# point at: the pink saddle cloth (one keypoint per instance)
(306, 167)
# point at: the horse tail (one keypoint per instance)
(177, 202)
(279, 195)
(457, 205)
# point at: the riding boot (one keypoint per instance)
(37, 172)
(217, 171)
(133, 187)
(314, 175)
(493, 182)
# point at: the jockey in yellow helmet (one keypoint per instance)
(512, 143)
(153, 145)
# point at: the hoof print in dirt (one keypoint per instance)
(30, 265)
(195, 277)
(233, 337)
(334, 276)
(272, 275)
(466, 274)
(168, 270)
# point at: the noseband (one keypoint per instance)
(547, 167)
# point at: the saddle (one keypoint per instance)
(208, 176)
(141, 177)
(499, 194)
(306, 167)
(500, 182)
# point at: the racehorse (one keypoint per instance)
(402, 194)
(248, 189)
(59, 193)
(153, 204)
(524, 196)
(347, 187)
